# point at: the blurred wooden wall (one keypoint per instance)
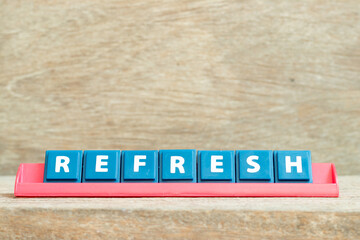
(180, 74)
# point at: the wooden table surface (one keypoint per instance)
(181, 218)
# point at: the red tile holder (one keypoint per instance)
(29, 183)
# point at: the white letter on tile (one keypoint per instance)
(296, 164)
(137, 162)
(177, 162)
(215, 164)
(62, 161)
(100, 163)
(255, 165)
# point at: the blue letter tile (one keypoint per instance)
(63, 166)
(101, 166)
(216, 166)
(293, 166)
(178, 165)
(140, 166)
(255, 166)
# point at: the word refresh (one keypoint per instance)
(186, 165)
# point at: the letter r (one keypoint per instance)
(177, 162)
(62, 162)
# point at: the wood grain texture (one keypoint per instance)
(180, 74)
(181, 218)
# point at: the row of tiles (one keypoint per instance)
(177, 166)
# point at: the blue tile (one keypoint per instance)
(216, 166)
(255, 166)
(140, 166)
(178, 165)
(63, 166)
(293, 166)
(101, 166)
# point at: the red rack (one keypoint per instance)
(29, 183)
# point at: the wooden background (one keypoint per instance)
(146, 74)
(180, 74)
